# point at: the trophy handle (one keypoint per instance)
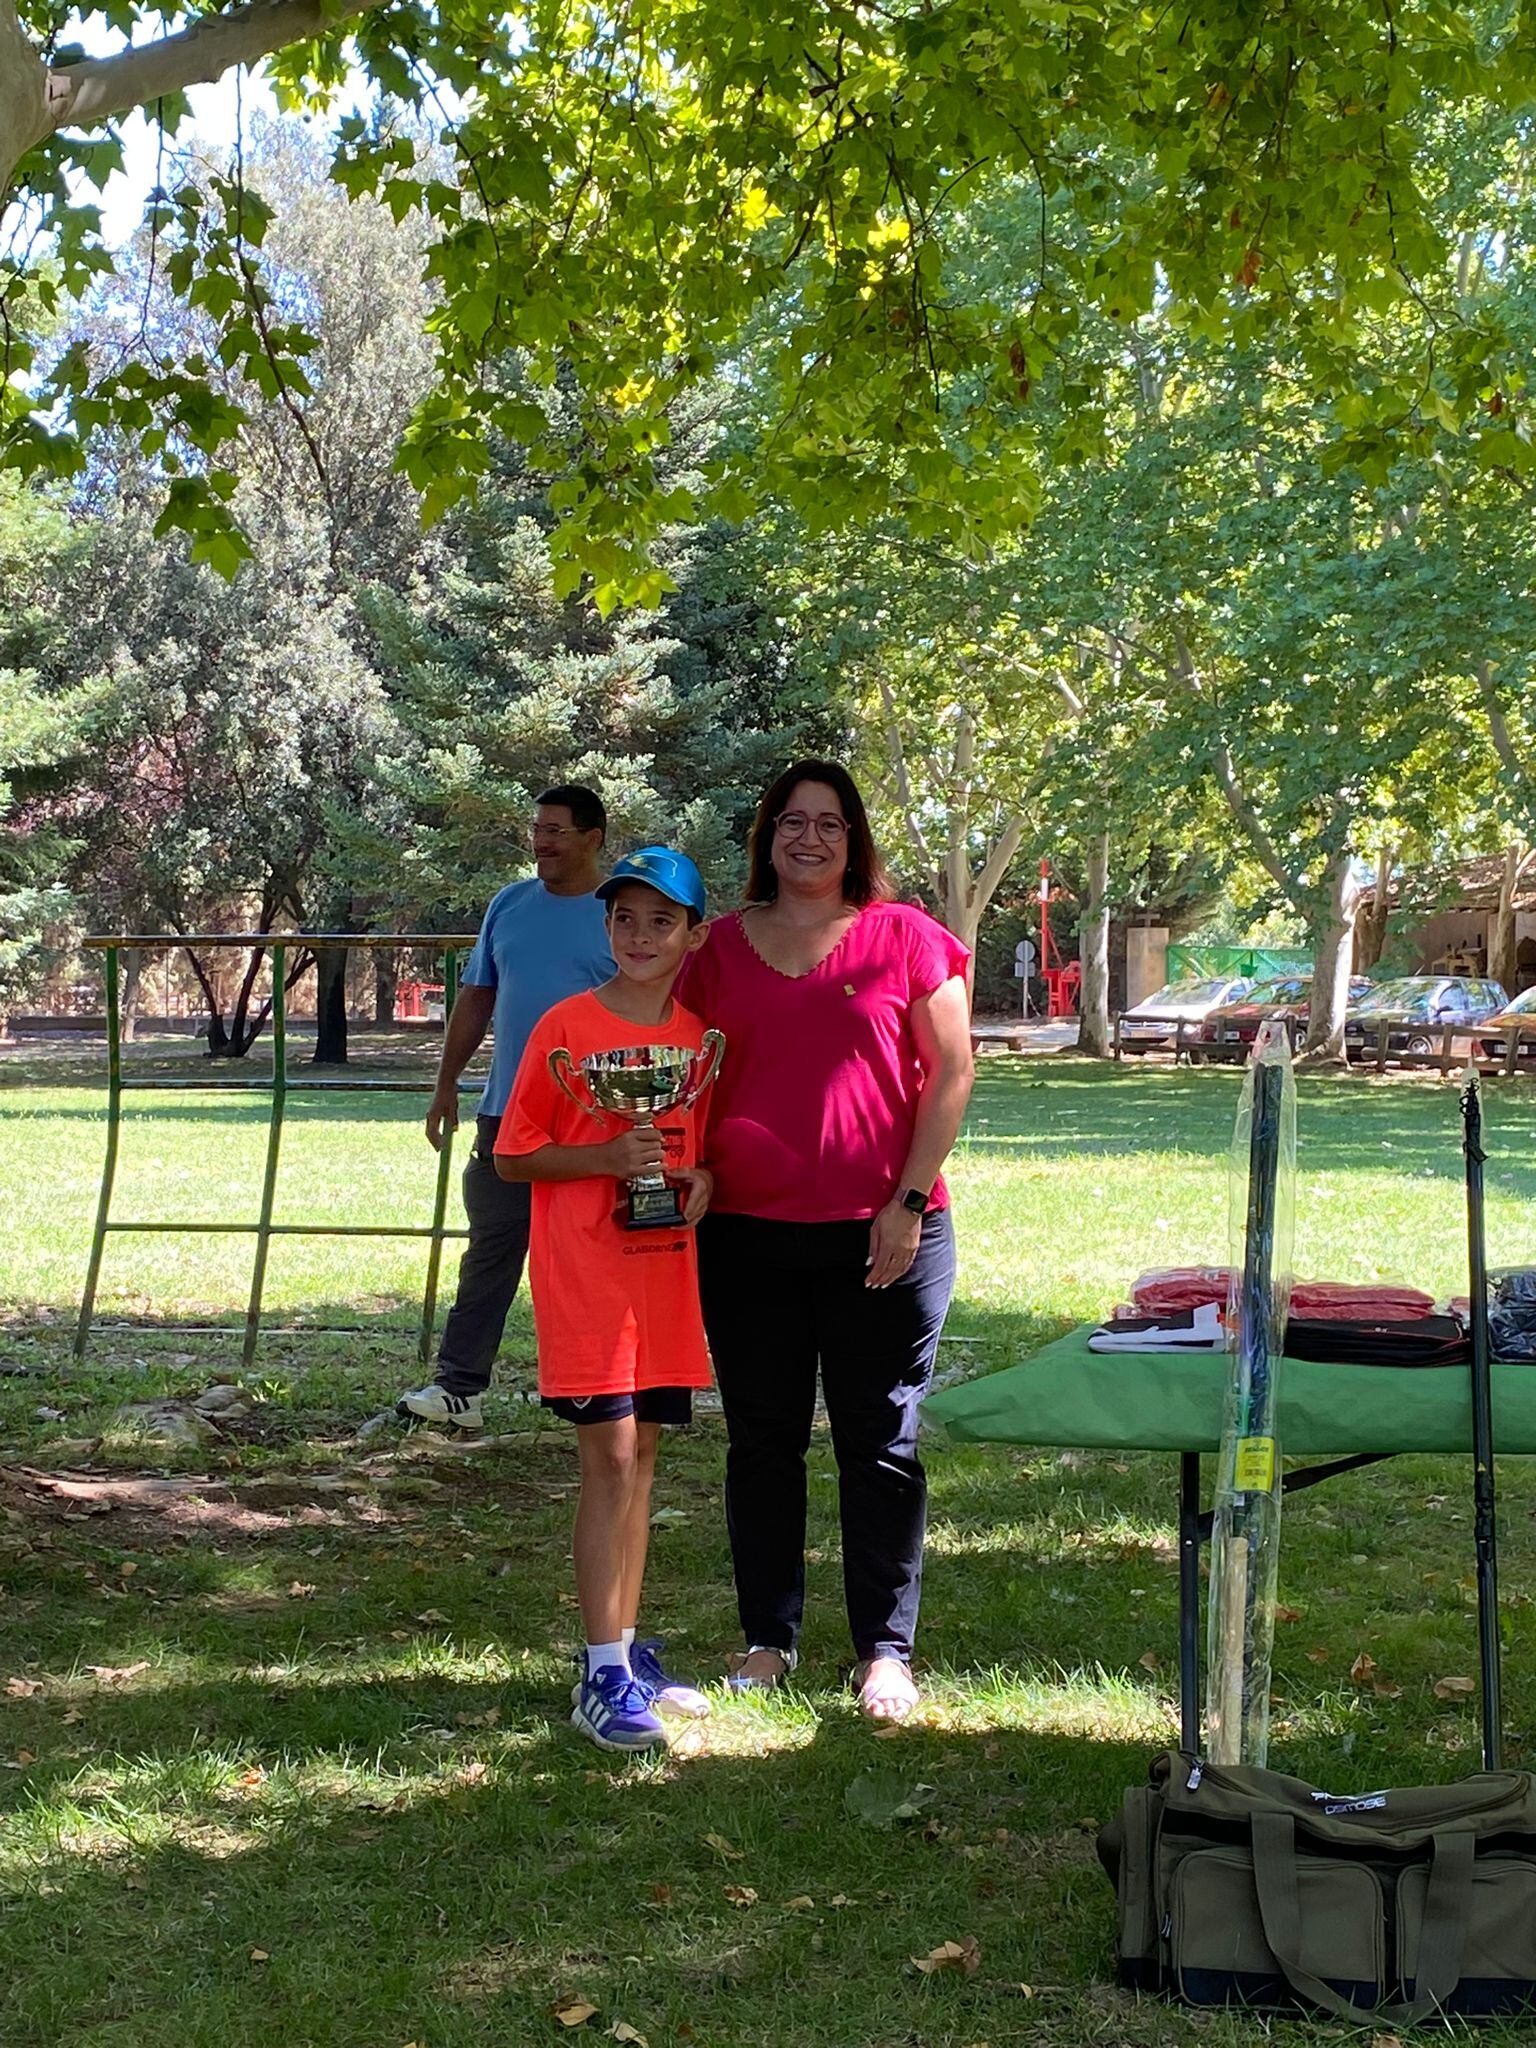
(711, 1051)
(562, 1065)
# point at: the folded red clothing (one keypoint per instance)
(1181, 1287)
(1175, 1287)
(1351, 1301)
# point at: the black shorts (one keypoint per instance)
(672, 1406)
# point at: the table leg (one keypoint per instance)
(1189, 1601)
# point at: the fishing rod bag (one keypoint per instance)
(1242, 1886)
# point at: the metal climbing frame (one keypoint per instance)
(280, 1087)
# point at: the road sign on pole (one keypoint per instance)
(1023, 969)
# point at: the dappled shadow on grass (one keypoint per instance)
(349, 1753)
(460, 1909)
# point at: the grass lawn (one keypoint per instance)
(285, 1754)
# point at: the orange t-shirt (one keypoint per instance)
(614, 1309)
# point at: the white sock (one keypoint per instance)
(601, 1654)
(629, 1639)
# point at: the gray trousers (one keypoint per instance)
(490, 1271)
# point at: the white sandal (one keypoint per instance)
(788, 1659)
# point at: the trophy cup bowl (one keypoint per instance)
(639, 1083)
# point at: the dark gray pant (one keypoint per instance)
(781, 1299)
(491, 1269)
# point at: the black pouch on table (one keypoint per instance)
(1512, 1313)
(1423, 1340)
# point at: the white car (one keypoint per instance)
(1154, 1023)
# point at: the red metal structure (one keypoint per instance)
(411, 1000)
(1063, 978)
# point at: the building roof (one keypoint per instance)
(1469, 885)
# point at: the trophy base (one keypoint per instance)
(654, 1209)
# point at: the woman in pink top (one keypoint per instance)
(829, 1243)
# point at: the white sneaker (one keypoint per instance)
(435, 1404)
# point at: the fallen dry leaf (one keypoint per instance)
(621, 2030)
(23, 1688)
(1362, 1668)
(115, 1674)
(963, 1955)
(888, 1732)
(472, 1773)
(1385, 1690)
(798, 1905)
(260, 1955)
(741, 1895)
(722, 1847)
(74, 1714)
(25, 1757)
(661, 1894)
(1386, 2041)
(1318, 1654)
(299, 1590)
(1453, 1688)
(1148, 1660)
(1287, 1614)
(430, 1614)
(840, 1899)
(136, 1881)
(574, 2010)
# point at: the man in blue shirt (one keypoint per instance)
(542, 940)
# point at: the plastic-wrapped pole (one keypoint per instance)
(1485, 1521)
(1245, 1536)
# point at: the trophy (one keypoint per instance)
(640, 1083)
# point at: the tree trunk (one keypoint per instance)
(1333, 960)
(385, 987)
(128, 1009)
(1093, 1035)
(1503, 952)
(330, 1006)
(1372, 935)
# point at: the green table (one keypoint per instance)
(1351, 1415)
(1171, 1401)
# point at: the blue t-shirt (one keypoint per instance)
(534, 949)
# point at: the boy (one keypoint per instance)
(616, 1311)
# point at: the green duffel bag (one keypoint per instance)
(1241, 1886)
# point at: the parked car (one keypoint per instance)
(1521, 1014)
(1416, 1009)
(1153, 1024)
(1228, 1032)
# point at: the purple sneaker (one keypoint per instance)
(616, 1713)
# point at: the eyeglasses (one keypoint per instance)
(558, 833)
(829, 828)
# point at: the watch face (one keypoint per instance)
(915, 1200)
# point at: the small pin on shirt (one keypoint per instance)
(848, 988)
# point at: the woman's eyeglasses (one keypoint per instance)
(828, 828)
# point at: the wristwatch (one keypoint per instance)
(914, 1201)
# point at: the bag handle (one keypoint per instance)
(1447, 1911)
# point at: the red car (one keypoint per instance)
(1228, 1032)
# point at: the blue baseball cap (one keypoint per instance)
(662, 868)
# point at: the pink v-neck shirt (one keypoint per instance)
(811, 1118)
